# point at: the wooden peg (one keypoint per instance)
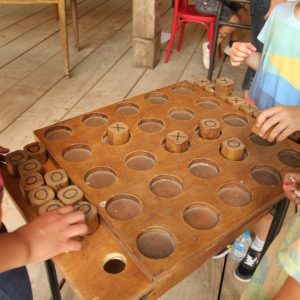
(118, 134)
(256, 113)
(177, 141)
(57, 179)
(202, 82)
(13, 160)
(233, 149)
(49, 206)
(29, 166)
(256, 130)
(209, 129)
(248, 109)
(91, 215)
(70, 195)
(235, 101)
(36, 150)
(211, 88)
(41, 195)
(224, 86)
(30, 182)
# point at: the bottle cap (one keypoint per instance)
(246, 234)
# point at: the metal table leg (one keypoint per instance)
(52, 278)
(279, 213)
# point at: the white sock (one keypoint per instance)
(257, 244)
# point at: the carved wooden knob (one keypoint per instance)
(177, 141)
(57, 179)
(235, 101)
(29, 166)
(224, 86)
(248, 109)
(36, 150)
(49, 206)
(118, 134)
(13, 160)
(211, 88)
(256, 130)
(41, 195)
(70, 195)
(209, 129)
(91, 214)
(202, 82)
(233, 149)
(30, 182)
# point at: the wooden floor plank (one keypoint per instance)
(41, 53)
(12, 32)
(23, 12)
(26, 93)
(6, 83)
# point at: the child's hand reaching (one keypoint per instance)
(285, 120)
(43, 238)
(52, 233)
(291, 187)
(239, 52)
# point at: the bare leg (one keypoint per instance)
(261, 228)
(226, 31)
(244, 17)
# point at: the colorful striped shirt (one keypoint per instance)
(277, 81)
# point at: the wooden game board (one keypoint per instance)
(164, 212)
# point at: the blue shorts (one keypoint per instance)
(14, 284)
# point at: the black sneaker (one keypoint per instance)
(223, 252)
(247, 266)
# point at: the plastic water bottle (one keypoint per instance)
(240, 246)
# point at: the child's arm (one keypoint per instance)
(244, 53)
(290, 290)
(284, 119)
(45, 237)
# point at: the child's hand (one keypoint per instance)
(239, 52)
(285, 120)
(291, 187)
(52, 233)
(3, 151)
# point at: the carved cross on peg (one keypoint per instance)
(118, 134)
(235, 101)
(248, 109)
(202, 83)
(224, 87)
(177, 141)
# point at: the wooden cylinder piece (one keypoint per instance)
(248, 109)
(57, 179)
(13, 159)
(211, 88)
(91, 215)
(29, 166)
(36, 150)
(236, 101)
(30, 182)
(233, 149)
(209, 129)
(202, 82)
(49, 206)
(70, 195)
(118, 134)
(41, 195)
(256, 130)
(177, 141)
(224, 87)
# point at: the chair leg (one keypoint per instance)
(181, 36)
(75, 24)
(170, 44)
(63, 33)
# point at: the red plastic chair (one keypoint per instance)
(183, 13)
